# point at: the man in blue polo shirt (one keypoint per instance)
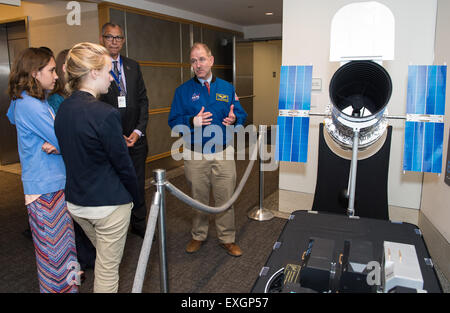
(203, 101)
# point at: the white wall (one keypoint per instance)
(306, 40)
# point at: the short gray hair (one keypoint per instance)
(109, 24)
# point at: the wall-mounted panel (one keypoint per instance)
(152, 39)
(118, 17)
(247, 104)
(158, 134)
(197, 33)
(185, 42)
(225, 74)
(244, 85)
(186, 74)
(221, 45)
(161, 83)
(244, 77)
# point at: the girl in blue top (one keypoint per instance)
(43, 172)
(58, 94)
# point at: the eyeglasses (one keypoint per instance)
(110, 38)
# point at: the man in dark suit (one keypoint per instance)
(128, 94)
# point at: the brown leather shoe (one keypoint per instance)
(232, 249)
(193, 246)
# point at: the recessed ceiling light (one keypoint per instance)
(269, 13)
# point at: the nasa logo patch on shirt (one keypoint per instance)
(195, 96)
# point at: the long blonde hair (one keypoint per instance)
(81, 59)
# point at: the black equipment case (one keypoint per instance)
(323, 246)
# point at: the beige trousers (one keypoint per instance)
(220, 175)
(108, 235)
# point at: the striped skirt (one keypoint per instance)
(54, 243)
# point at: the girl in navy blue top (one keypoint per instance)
(101, 183)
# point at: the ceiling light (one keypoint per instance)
(269, 13)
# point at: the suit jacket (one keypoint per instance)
(135, 115)
(99, 170)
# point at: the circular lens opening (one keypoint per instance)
(360, 88)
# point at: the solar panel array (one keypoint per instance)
(424, 127)
(294, 104)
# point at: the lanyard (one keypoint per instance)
(119, 69)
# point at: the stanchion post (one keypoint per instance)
(259, 213)
(146, 244)
(160, 179)
(353, 169)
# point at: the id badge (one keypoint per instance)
(122, 102)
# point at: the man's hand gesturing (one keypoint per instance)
(231, 118)
(202, 118)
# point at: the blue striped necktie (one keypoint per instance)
(121, 85)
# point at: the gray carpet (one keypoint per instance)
(17, 259)
(209, 270)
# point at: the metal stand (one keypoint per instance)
(352, 178)
(259, 213)
(160, 178)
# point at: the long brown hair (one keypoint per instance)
(61, 81)
(21, 77)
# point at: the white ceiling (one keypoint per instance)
(239, 12)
